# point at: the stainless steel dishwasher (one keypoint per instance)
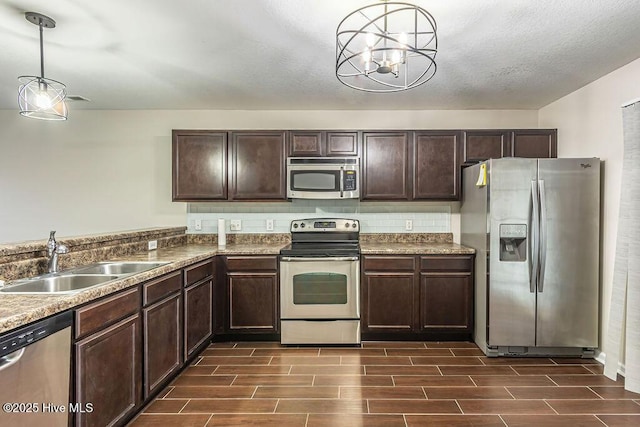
(35, 362)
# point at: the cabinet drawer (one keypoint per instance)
(389, 263)
(446, 263)
(98, 315)
(252, 263)
(195, 273)
(159, 288)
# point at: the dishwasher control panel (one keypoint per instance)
(22, 337)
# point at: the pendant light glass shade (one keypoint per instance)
(386, 47)
(39, 97)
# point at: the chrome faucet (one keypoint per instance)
(53, 250)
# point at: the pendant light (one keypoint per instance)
(386, 47)
(39, 97)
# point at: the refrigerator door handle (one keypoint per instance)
(543, 235)
(533, 238)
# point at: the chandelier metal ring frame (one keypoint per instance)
(399, 40)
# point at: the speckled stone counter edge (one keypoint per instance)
(406, 238)
(177, 248)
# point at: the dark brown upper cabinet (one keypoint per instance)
(257, 166)
(322, 143)
(385, 166)
(199, 165)
(436, 165)
(534, 143)
(480, 145)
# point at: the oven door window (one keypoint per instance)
(327, 180)
(320, 288)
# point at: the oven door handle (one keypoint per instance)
(318, 259)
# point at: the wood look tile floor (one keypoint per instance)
(387, 384)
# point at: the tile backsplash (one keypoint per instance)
(375, 217)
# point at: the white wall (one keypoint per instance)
(589, 123)
(104, 171)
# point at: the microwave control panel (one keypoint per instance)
(350, 180)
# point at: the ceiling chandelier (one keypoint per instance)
(39, 97)
(386, 47)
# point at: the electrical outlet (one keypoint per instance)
(236, 224)
(269, 225)
(152, 244)
(408, 225)
(198, 224)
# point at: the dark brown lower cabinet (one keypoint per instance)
(146, 332)
(253, 302)
(388, 294)
(446, 302)
(251, 295)
(198, 324)
(417, 297)
(162, 324)
(109, 374)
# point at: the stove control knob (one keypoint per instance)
(302, 225)
(354, 225)
(346, 224)
(295, 225)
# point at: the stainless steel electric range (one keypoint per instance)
(320, 282)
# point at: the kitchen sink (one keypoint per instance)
(58, 283)
(78, 279)
(118, 267)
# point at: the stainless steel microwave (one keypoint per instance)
(323, 178)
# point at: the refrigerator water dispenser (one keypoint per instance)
(513, 242)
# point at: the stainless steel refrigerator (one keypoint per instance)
(535, 224)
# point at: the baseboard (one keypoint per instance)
(601, 356)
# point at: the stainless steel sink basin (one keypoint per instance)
(78, 279)
(58, 284)
(118, 267)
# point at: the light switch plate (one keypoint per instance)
(198, 225)
(269, 225)
(408, 225)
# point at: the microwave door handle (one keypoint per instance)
(341, 182)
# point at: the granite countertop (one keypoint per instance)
(18, 310)
(424, 248)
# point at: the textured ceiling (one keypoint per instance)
(280, 54)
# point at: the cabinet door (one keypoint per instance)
(385, 165)
(199, 165)
(162, 329)
(436, 165)
(109, 374)
(258, 166)
(253, 302)
(389, 302)
(305, 144)
(342, 144)
(535, 143)
(480, 145)
(446, 301)
(198, 312)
